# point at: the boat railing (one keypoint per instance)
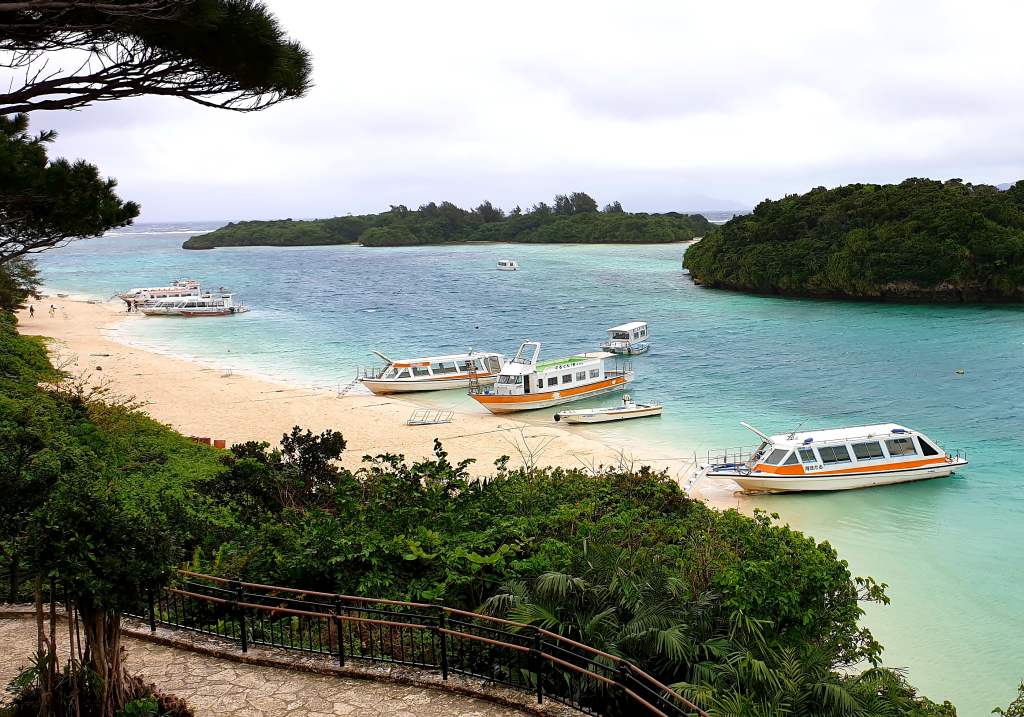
(956, 455)
(740, 455)
(371, 372)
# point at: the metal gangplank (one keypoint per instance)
(429, 417)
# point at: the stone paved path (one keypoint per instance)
(216, 687)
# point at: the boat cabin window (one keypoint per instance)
(901, 447)
(620, 335)
(420, 371)
(927, 449)
(833, 454)
(467, 366)
(807, 455)
(581, 375)
(540, 383)
(791, 460)
(867, 451)
(775, 457)
(506, 379)
(445, 367)
(553, 381)
(567, 378)
(595, 372)
(404, 373)
(493, 364)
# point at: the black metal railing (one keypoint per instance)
(420, 635)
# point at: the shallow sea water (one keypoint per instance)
(949, 549)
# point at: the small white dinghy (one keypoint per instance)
(627, 410)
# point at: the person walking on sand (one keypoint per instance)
(53, 311)
(31, 311)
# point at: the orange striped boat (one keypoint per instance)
(433, 373)
(525, 383)
(835, 459)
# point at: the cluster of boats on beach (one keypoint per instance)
(832, 459)
(182, 297)
(820, 460)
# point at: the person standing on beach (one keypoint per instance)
(53, 311)
(31, 311)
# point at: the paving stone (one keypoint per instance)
(213, 687)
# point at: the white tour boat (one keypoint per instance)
(835, 459)
(193, 306)
(433, 373)
(178, 288)
(526, 383)
(507, 265)
(629, 339)
(628, 409)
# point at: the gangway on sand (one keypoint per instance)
(429, 417)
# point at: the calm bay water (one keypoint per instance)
(949, 549)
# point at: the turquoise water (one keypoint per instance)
(949, 549)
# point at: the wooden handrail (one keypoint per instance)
(618, 661)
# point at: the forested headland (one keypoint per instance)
(920, 240)
(573, 218)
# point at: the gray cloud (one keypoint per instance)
(659, 105)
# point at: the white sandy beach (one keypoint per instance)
(201, 400)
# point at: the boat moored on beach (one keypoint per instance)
(526, 383)
(178, 288)
(629, 339)
(628, 409)
(194, 306)
(433, 373)
(835, 459)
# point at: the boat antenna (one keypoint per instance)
(796, 430)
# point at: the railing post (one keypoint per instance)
(240, 598)
(538, 665)
(443, 638)
(623, 675)
(338, 612)
(152, 609)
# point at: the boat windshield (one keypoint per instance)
(527, 353)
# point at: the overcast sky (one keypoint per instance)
(664, 106)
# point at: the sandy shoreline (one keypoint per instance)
(202, 400)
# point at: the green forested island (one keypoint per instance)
(572, 218)
(920, 240)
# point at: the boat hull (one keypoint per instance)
(765, 483)
(632, 350)
(531, 402)
(382, 387)
(606, 417)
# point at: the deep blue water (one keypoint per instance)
(949, 549)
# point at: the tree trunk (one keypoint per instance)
(42, 652)
(103, 654)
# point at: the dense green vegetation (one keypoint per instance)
(573, 218)
(98, 500)
(748, 617)
(920, 240)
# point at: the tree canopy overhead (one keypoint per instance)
(45, 203)
(231, 54)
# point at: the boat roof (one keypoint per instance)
(878, 431)
(449, 357)
(629, 327)
(571, 360)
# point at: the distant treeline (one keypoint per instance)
(573, 218)
(920, 240)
